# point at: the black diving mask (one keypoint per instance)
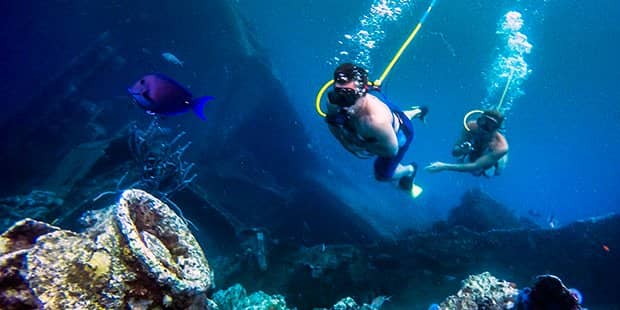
(487, 123)
(343, 97)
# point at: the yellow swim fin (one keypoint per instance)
(416, 191)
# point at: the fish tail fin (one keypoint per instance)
(199, 104)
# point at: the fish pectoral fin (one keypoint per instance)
(149, 112)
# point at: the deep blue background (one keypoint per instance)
(563, 133)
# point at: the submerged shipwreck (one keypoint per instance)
(139, 253)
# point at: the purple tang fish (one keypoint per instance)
(160, 94)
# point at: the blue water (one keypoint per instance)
(562, 132)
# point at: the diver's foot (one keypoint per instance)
(406, 182)
(419, 112)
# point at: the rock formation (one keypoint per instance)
(136, 252)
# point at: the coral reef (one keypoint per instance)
(483, 291)
(159, 159)
(236, 297)
(135, 253)
(349, 303)
(584, 253)
(138, 253)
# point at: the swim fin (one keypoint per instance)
(416, 191)
(423, 112)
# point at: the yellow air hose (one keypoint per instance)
(387, 70)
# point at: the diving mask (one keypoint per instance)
(344, 97)
(487, 123)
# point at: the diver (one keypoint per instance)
(367, 126)
(482, 150)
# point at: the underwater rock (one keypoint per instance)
(68, 271)
(161, 241)
(549, 293)
(15, 244)
(483, 291)
(136, 253)
(23, 234)
(14, 290)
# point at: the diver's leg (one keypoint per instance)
(402, 171)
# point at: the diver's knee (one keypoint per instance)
(383, 176)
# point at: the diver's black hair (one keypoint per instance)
(495, 115)
(347, 72)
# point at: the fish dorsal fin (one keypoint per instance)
(199, 104)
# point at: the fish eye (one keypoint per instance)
(142, 81)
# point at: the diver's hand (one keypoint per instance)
(436, 167)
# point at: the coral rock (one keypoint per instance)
(483, 291)
(137, 254)
(23, 234)
(161, 241)
(65, 272)
(14, 290)
(15, 244)
(235, 297)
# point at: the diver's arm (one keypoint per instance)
(481, 163)
(344, 138)
(343, 135)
